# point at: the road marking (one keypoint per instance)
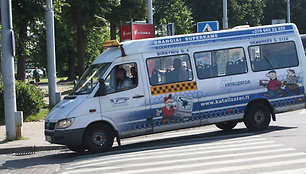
(160, 157)
(184, 166)
(182, 150)
(295, 171)
(246, 167)
(168, 135)
(175, 146)
(185, 160)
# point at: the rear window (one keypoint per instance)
(303, 37)
(273, 56)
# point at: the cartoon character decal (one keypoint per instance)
(167, 110)
(278, 88)
(291, 82)
(273, 86)
(175, 111)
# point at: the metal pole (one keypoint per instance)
(131, 28)
(150, 12)
(8, 69)
(225, 19)
(51, 52)
(288, 11)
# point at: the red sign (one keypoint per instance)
(140, 31)
(125, 32)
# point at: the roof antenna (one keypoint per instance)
(122, 50)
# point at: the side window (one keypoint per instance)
(220, 63)
(122, 77)
(170, 69)
(273, 56)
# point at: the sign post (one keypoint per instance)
(7, 61)
(207, 26)
(170, 29)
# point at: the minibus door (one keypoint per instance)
(124, 104)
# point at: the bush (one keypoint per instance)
(29, 99)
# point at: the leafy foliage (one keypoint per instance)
(173, 11)
(29, 99)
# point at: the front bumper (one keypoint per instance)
(66, 137)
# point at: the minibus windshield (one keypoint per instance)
(89, 79)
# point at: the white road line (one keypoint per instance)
(246, 167)
(189, 149)
(177, 155)
(181, 145)
(168, 135)
(182, 166)
(153, 163)
(293, 171)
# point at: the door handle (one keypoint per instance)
(138, 96)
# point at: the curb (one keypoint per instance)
(29, 149)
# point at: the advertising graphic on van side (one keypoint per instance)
(277, 88)
(172, 111)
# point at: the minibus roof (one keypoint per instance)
(160, 44)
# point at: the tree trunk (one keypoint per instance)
(113, 31)
(22, 54)
(71, 71)
(81, 40)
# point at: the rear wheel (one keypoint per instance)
(227, 125)
(258, 117)
(98, 138)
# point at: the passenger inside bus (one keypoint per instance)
(178, 74)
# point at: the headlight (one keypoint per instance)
(62, 124)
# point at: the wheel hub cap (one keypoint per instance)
(99, 138)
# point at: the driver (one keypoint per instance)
(122, 80)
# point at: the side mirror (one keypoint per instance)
(102, 91)
(75, 82)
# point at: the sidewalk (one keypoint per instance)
(34, 140)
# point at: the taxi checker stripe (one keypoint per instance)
(174, 87)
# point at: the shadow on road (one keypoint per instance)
(201, 138)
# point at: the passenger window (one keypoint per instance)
(220, 63)
(273, 56)
(170, 69)
(122, 77)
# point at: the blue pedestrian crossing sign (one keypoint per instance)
(170, 29)
(207, 26)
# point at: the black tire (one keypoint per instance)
(98, 138)
(227, 125)
(78, 149)
(257, 117)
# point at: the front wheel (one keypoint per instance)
(78, 149)
(99, 138)
(258, 117)
(227, 125)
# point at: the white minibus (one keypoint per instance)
(160, 84)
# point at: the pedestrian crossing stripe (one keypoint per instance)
(174, 87)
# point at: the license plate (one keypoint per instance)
(48, 138)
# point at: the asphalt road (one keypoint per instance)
(279, 149)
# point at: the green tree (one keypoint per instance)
(246, 12)
(172, 11)
(240, 12)
(125, 11)
(23, 16)
(85, 15)
(298, 14)
(275, 9)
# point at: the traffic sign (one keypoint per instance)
(170, 29)
(207, 26)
